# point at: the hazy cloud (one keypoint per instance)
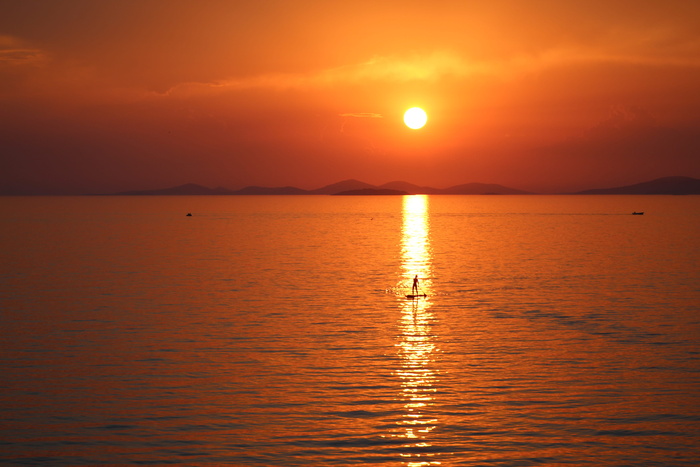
(362, 115)
(13, 52)
(438, 65)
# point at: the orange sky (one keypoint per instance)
(111, 95)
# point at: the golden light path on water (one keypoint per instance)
(416, 346)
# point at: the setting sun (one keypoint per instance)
(415, 118)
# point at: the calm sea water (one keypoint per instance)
(557, 330)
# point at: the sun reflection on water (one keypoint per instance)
(415, 240)
(416, 341)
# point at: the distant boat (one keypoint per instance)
(189, 214)
(635, 213)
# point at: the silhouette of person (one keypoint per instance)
(414, 289)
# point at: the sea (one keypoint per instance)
(276, 331)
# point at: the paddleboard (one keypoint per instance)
(416, 296)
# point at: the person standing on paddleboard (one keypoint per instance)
(414, 289)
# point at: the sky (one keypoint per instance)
(549, 96)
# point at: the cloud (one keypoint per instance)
(625, 117)
(376, 69)
(362, 115)
(14, 53)
(441, 64)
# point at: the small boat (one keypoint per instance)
(635, 213)
(189, 214)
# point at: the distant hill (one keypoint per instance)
(660, 186)
(481, 189)
(372, 191)
(345, 185)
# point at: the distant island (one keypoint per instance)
(345, 187)
(660, 186)
(371, 192)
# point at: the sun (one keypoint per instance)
(415, 118)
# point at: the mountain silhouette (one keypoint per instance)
(372, 191)
(660, 186)
(345, 185)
